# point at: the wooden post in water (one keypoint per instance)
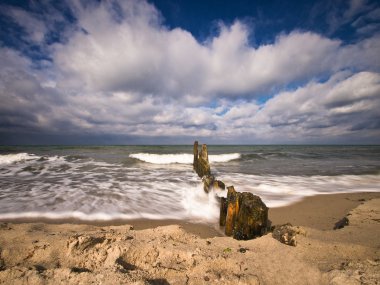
(243, 214)
(195, 161)
(200, 162)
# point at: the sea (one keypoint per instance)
(106, 183)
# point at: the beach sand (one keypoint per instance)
(174, 252)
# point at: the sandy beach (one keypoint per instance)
(173, 252)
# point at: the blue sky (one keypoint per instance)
(169, 72)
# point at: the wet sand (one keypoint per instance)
(321, 211)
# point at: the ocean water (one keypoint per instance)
(158, 182)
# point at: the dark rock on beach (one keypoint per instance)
(341, 223)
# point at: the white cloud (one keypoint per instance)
(144, 57)
(126, 73)
(34, 27)
(138, 54)
(329, 109)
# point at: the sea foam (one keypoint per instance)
(11, 158)
(181, 158)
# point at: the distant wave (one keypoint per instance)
(181, 158)
(223, 157)
(11, 158)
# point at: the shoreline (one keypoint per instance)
(170, 252)
(330, 208)
(319, 212)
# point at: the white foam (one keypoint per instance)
(189, 202)
(181, 158)
(11, 158)
(92, 190)
(200, 206)
(69, 215)
(278, 191)
(223, 157)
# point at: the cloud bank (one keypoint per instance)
(119, 70)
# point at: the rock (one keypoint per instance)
(287, 234)
(252, 217)
(341, 223)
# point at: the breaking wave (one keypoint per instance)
(181, 158)
(11, 158)
(83, 185)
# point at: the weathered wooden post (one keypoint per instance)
(232, 210)
(223, 211)
(195, 161)
(252, 218)
(244, 215)
(200, 162)
(202, 166)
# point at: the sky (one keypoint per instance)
(170, 72)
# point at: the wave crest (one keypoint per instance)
(181, 158)
(11, 158)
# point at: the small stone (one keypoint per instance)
(341, 223)
(286, 234)
(206, 278)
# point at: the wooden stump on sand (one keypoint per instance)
(246, 215)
